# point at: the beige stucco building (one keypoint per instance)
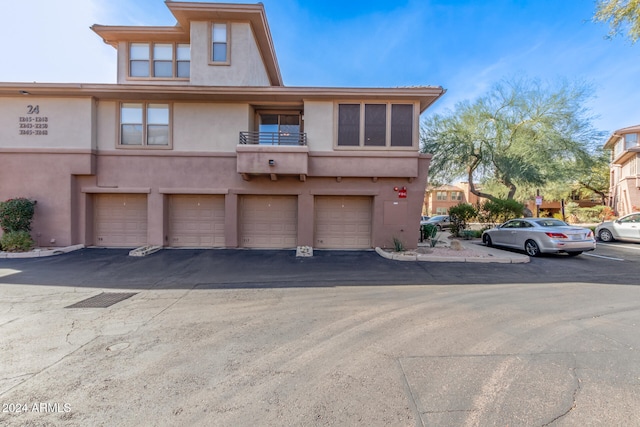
(199, 144)
(624, 191)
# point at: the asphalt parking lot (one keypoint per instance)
(343, 338)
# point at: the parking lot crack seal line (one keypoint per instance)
(51, 365)
(576, 390)
(165, 309)
(412, 398)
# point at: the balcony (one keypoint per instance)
(273, 154)
(273, 138)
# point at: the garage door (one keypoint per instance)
(342, 222)
(120, 220)
(268, 221)
(196, 221)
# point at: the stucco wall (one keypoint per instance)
(209, 127)
(318, 124)
(49, 179)
(246, 67)
(29, 122)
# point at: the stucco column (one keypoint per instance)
(305, 219)
(231, 220)
(155, 219)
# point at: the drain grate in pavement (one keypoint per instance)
(103, 300)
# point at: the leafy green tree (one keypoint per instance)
(621, 15)
(522, 133)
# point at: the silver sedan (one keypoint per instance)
(541, 235)
(626, 228)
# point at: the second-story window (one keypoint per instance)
(456, 195)
(441, 195)
(375, 125)
(144, 124)
(220, 43)
(159, 60)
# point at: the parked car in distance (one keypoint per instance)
(625, 228)
(541, 235)
(440, 221)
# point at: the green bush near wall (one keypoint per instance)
(15, 221)
(16, 241)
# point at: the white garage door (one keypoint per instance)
(268, 221)
(342, 222)
(196, 221)
(120, 220)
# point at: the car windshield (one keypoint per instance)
(438, 218)
(549, 222)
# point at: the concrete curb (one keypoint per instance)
(144, 250)
(494, 256)
(38, 253)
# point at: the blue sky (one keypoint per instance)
(464, 46)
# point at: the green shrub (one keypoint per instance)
(16, 214)
(16, 241)
(459, 215)
(429, 232)
(471, 234)
(397, 244)
(500, 210)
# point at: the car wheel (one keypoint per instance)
(531, 248)
(605, 235)
(486, 239)
(439, 227)
(574, 253)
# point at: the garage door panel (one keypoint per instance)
(120, 220)
(343, 222)
(268, 221)
(196, 220)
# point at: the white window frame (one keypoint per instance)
(145, 126)
(630, 140)
(151, 61)
(227, 60)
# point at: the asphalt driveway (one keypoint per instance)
(244, 337)
(238, 268)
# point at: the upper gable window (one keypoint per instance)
(219, 43)
(375, 125)
(139, 59)
(159, 60)
(630, 140)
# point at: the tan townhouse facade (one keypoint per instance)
(200, 144)
(624, 190)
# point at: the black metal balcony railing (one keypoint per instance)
(273, 138)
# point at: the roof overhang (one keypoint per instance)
(266, 95)
(187, 12)
(619, 134)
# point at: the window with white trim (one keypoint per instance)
(159, 60)
(630, 140)
(144, 124)
(375, 125)
(456, 195)
(441, 195)
(219, 43)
